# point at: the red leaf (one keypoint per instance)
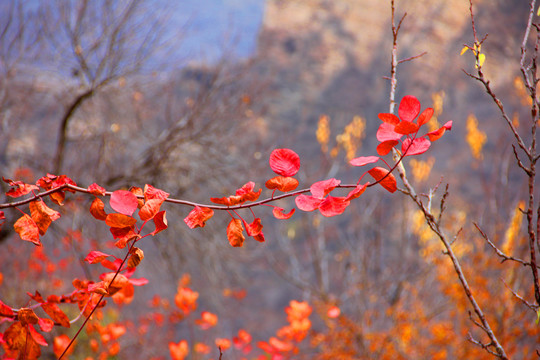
(415, 147)
(150, 209)
(386, 132)
(246, 192)
(38, 338)
(364, 160)
(19, 189)
(322, 188)
(278, 213)
(389, 182)
(389, 118)
(17, 338)
(27, 229)
(356, 192)
(138, 282)
(234, 233)
(332, 206)
(95, 257)
(386, 146)
(120, 220)
(151, 192)
(160, 220)
(282, 183)
(406, 128)
(43, 215)
(254, 228)
(5, 310)
(45, 324)
(97, 190)
(124, 202)
(306, 202)
(97, 209)
(425, 116)
(198, 217)
(56, 314)
(436, 135)
(284, 162)
(259, 237)
(409, 108)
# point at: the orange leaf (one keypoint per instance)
(27, 229)
(436, 135)
(60, 343)
(56, 314)
(46, 324)
(282, 183)
(150, 209)
(19, 188)
(198, 217)
(151, 192)
(120, 220)
(135, 258)
(137, 191)
(18, 338)
(179, 351)
(279, 214)
(254, 228)
(27, 316)
(97, 209)
(160, 220)
(356, 192)
(207, 320)
(333, 312)
(43, 215)
(389, 182)
(223, 344)
(234, 233)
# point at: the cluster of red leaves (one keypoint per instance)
(21, 339)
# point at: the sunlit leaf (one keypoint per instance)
(151, 192)
(386, 146)
(425, 116)
(19, 188)
(386, 132)
(97, 190)
(364, 160)
(198, 217)
(97, 209)
(437, 134)
(389, 118)
(42, 215)
(415, 146)
(234, 233)
(279, 214)
(356, 192)
(27, 229)
(160, 221)
(60, 343)
(464, 50)
(332, 206)
(254, 228)
(406, 128)
(388, 180)
(56, 314)
(150, 208)
(135, 257)
(284, 162)
(409, 108)
(120, 220)
(124, 202)
(307, 203)
(282, 183)
(95, 257)
(179, 351)
(321, 188)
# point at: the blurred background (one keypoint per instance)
(192, 96)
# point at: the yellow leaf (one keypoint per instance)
(464, 50)
(481, 59)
